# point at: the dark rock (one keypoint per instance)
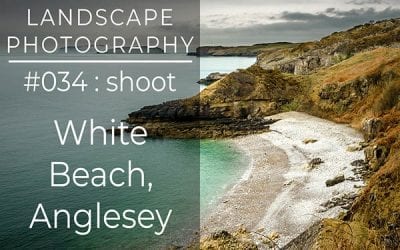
(334, 181)
(221, 234)
(361, 171)
(309, 140)
(358, 163)
(315, 162)
(345, 201)
(351, 178)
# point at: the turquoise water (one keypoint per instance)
(221, 166)
(29, 143)
(224, 64)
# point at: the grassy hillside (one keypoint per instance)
(365, 92)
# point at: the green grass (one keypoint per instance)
(292, 106)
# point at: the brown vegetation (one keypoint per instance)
(364, 87)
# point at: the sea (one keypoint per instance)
(187, 176)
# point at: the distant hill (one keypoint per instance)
(250, 50)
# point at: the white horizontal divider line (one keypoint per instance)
(99, 61)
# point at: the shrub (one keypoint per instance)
(389, 98)
(292, 106)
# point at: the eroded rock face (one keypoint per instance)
(371, 127)
(298, 63)
(375, 155)
(301, 63)
(345, 95)
(307, 64)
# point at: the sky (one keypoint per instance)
(222, 22)
(242, 22)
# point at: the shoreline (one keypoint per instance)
(279, 194)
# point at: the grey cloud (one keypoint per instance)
(330, 10)
(364, 2)
(300, 16)
(296, 27)
(342, 16)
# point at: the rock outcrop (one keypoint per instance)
(235, 105)
(371, 127)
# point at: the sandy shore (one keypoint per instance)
(279, 193)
